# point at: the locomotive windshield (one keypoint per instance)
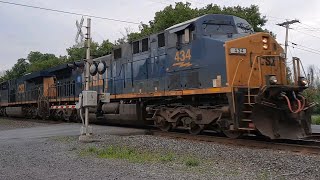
(213, 27)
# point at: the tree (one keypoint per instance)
(313, 76)
(181, 12)
(19, 69)
(76, 53)
(39, 61)
(313, 92)
(104, 48)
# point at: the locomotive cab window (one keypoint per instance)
(161, 40)
(145, 44)
(117, 53)
(185, 36)
(135, 47)
(216, 27)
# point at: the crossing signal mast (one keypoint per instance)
(87, 98)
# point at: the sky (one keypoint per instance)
(24, 29)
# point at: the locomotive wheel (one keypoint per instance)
(195, 128)
(60, 115)
(162, 124)
(34, 113)
(232, 134)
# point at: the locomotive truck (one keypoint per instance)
(211, 72)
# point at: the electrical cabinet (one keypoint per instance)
(89, 98)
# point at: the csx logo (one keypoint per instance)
(268, 61)
(182, 57)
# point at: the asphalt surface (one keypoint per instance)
(63, 130)
(315, 128)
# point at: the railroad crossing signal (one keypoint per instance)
(79, 37)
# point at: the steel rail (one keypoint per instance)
(297, 146)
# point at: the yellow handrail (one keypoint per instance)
(235, 74)
(249, 79)
(232, 91)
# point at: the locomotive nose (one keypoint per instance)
(280, 116)
(277, 124)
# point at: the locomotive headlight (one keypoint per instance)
(302, 81)
(265, 40)
(265, 46)
(273, 80)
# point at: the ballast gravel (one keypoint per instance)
(60, 158)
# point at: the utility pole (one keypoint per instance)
(287, 24)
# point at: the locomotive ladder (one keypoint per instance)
(246, 122)
(244, 109)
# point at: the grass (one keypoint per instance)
(139, 156)
(191, 162)
(129, 154)
(264, 175)
(315, 119)
(167, 157)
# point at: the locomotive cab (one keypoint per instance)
(262, 98)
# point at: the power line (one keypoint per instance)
(310, 26)
(307, 34)
(304, 27)
(160, 2)
(68, 12)
(295, 44)
(273, 17)
(305, 50)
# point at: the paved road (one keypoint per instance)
(63, 130)
(316, 128)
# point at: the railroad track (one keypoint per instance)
(298, 146)
(314, 136)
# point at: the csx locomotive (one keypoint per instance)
(210, 72)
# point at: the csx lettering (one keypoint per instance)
(268, 62)
(183, 55)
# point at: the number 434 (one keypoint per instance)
(183, 55)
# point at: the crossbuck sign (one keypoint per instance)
(79, 37)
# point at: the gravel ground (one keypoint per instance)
(63, 158)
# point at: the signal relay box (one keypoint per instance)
(89, 98)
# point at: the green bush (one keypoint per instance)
(313, 95)
(315, 119)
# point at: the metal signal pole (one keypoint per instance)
(287, 26)
(88, 58)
